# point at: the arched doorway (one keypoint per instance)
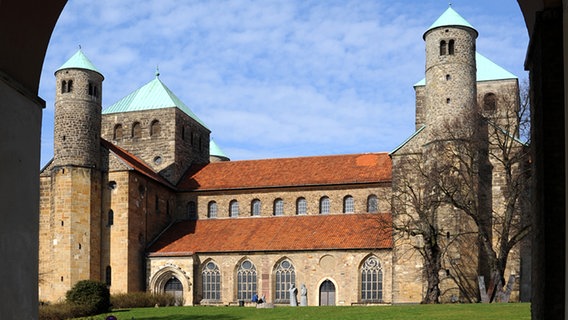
(327, 293)
(174, 288)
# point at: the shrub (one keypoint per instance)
(141, 300)
(63, 310)
(91, 295)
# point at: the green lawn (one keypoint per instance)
(516, 311)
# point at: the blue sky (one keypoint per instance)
(276, 78)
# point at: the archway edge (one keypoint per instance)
(26, 27)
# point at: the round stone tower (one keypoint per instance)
(77, 128)
(450, 91)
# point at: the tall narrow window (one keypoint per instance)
(192, 210)
(212, 209)
(301, 206)
(211, 277)
(348, 204)
(63, 86)
(117, 132)
(278, 207)
(324, 205)
(246, 280)
(371, 280)
(443, 48)
(110, 218)
(285, 277)
(155, 128)
(489, 102)
(69, 86)
(234, 209)
(136, 130)
(372, 204)
(255, 208)
(108, 276)
(451, 45)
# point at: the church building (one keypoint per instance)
(138, 196)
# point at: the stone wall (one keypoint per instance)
(179, 142)
(336, 194)
(342, 268)
(77, 126)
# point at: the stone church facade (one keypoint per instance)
(139, 197)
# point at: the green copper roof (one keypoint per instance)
(450, 18)
(487, 70)
(79, 61)
(151, 96)
(214, 150)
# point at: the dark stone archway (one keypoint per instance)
(25, 30)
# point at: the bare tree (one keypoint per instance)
(472, 155)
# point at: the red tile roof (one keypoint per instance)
(304, 171)
(135, 163)
(285, 233)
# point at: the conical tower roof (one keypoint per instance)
(450, 18)
(153, 95)
(215, 151)
(79, 61)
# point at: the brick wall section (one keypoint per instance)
(72, 230)
(181, 142)
(137, 221)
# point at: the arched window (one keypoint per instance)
(191, 210)
(155, 128)
(136, 130)
(443, 46)
(211, 279)
(285, 276)
(234, 208)
(278, 207)
(255, 208)
(301, 206)
(212, 209)
(174, 287)
(110, 218)
(324, 205)
(372, 204)
(246, 280)
(348, 204)
(451, 45)
(117, 135)
(64, 86)
(371, 280)
(93, 91)
(108, 276)
(489, 102)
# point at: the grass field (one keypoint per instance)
(516, 311)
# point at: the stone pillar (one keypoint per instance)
(20, 127)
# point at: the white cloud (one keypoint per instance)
(275, 78)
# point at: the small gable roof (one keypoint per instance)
(285, 172)
(134, 163)
(153, 95)
(79, 61)
(284, 233)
